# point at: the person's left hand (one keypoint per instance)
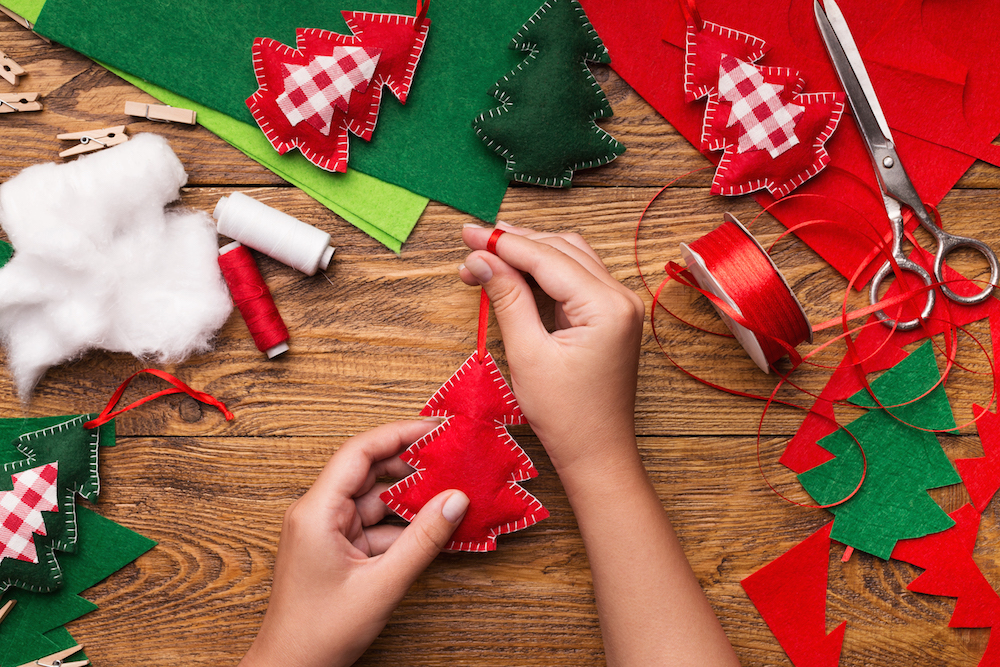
(338, 576)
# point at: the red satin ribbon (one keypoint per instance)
(179, 387)
(484, 302)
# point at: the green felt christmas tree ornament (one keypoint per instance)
(54, 463)
(544, 127)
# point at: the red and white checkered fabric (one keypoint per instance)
(21, 511)
(312, 91)
(766, 121)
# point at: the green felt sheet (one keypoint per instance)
(903, 462)
(201, 50)
(544, 128)
(6, 252)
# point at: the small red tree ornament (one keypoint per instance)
(473, 452)
(312, 96)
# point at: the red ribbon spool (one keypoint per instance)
(729, 263)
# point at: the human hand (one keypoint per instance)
(575, 385)
(338, 576)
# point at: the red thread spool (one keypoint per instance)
(253, 298)
(729, 263)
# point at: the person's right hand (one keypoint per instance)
(575, 385)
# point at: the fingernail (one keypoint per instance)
(472, 224)
(455, 506)
(501, 223)
(480, 268)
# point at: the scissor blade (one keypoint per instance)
(852, 74)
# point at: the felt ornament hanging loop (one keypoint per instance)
(109, 412)
(751, 296)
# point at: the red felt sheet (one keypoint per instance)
(934, 73)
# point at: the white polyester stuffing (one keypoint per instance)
(99, 263)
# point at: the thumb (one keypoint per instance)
(424, 538)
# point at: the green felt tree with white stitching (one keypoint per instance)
(545, 126)
(74, 449)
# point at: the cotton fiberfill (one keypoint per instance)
(100, 263)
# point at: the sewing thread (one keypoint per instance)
(252, 296)
(729, 263)
(276, 234)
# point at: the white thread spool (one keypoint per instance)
(276, 234)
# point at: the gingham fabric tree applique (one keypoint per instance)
(313, 96)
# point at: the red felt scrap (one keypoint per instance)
(950, 570)
(981, 476)
(385, 49)
(790, 594)
(802, 452)
(940, 126)
(472, 452)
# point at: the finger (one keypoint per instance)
(371, 509)
(423, 539)
(347, 472)
(572, 238)
(381, 537)
(561, 276)
(513, 301)
(392, 467)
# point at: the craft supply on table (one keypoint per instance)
(100, 263)
(276, 234)
(894, 183)
(15, 102)
(93, 140)
(544, 127)
(472, 451)
(253, 298)
(9, 69)
(161, 113)
(729, 263)
(59, 659)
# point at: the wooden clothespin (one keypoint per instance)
(9, 69)
(23, 21)
(161, 113)
(11, 102)
(94, 140)
(57, 659)
(5, 609)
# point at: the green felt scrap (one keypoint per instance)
(202, 51)
(386, 212)
(903, 462)
(6, 252)
(104, 548)
(545, 127)
(28, 9)
(75, 448)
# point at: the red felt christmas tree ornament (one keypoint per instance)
(473, 452)
(311, 97)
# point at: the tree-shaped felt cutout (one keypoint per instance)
(472, 451)
(71, 451)
(904, 460)
(312, 96)
(545, 125)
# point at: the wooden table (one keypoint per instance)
(374, 342)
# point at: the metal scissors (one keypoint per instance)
(897, 189)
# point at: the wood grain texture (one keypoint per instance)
(374, 342)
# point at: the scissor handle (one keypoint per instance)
(904, 265)
(948, 242)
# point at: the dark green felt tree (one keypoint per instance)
(545, 125)
(903, 462)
